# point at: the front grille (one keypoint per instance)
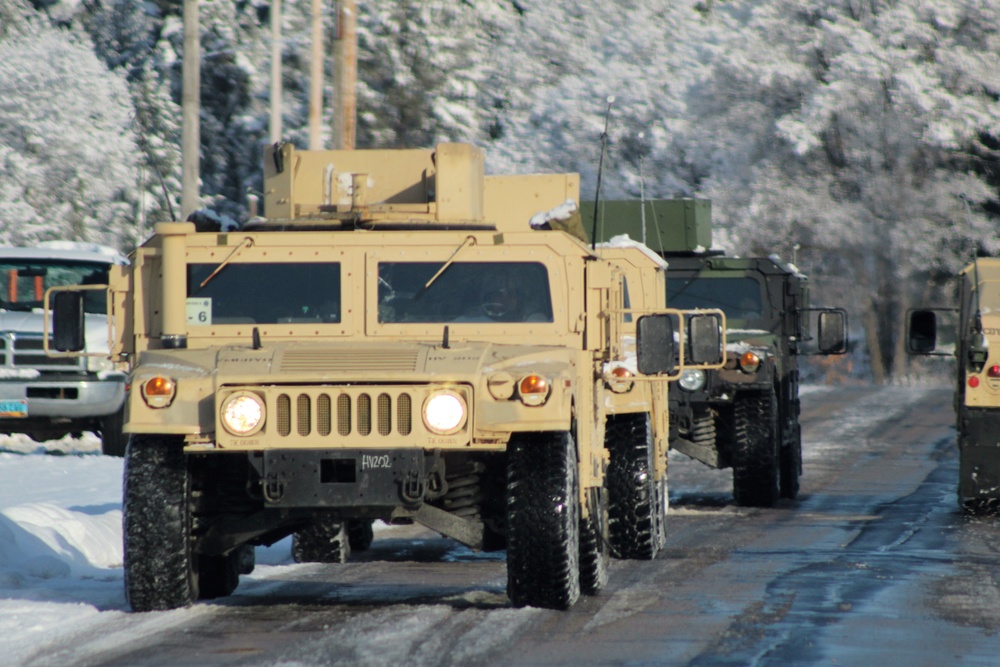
(381, 412)
(26, 351)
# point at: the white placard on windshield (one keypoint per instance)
(199, 312)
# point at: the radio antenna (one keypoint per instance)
(600, 170)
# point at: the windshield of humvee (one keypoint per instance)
(259, 293)
(738, 298)
(463, 292)
(23, 282)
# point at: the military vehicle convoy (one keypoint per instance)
(49, 397)
(744, 416)
(391, 342)
(971, 333)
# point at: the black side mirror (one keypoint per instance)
(833, 332)
(704, 339)
(68, 321)
(922, 338)
(654, 343)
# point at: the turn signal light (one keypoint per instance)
(158, 391)
(533, 389)
(749, 362)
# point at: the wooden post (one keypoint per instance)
(345, 67)
(191, 103)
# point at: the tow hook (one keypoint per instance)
(411, 489)
(274, 489)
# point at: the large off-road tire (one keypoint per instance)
(636, 503)
(360, 534)
(594, 545)
(755, 450)
(159, 562)
(543, 521)
(325, 540)
(113, 441)
(791, 465)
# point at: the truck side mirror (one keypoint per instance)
(68, 321)
(833, 332)
(654, 343)
(922, 332)
(704, 339)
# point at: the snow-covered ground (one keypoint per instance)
(61, 543)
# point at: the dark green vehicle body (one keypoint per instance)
(746, 415)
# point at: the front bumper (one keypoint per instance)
(66, 396)
(377, 479)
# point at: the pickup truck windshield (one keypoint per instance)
(259, 293)
(738, 298)
(24, 282)
(464, 292)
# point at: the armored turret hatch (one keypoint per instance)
(420, 188)
(681, 226)
(512, 201)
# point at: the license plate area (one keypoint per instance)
(13, 409)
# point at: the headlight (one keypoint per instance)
(243, 413)
(692, 380)
(445, 412)
(158, 391)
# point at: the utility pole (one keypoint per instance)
(345, 68)
(191, 107)
(316, 78)
(276, 91)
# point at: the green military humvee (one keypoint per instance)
(743, 416)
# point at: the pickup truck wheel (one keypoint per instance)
(113, 441)
(543, 521)
(755, 450)
(636, 508)
(360, 534)
(594, 546)
(159, 563)
(325, 540)
(791, 465)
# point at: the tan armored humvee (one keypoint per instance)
(970, 332)
(392, 342)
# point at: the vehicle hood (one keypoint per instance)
(353, 362)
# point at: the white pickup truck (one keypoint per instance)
(49, 397)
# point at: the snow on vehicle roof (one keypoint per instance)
(65, 250)
(625, 241)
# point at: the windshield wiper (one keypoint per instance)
(247, 243)
(469, 241)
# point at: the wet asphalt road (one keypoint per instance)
(872, 565)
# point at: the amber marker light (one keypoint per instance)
(620, 382)
(533, 389)
(158, 391)
(749, 362)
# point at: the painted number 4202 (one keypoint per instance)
(369, 462)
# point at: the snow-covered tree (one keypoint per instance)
(67, 148)
(848, 133)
